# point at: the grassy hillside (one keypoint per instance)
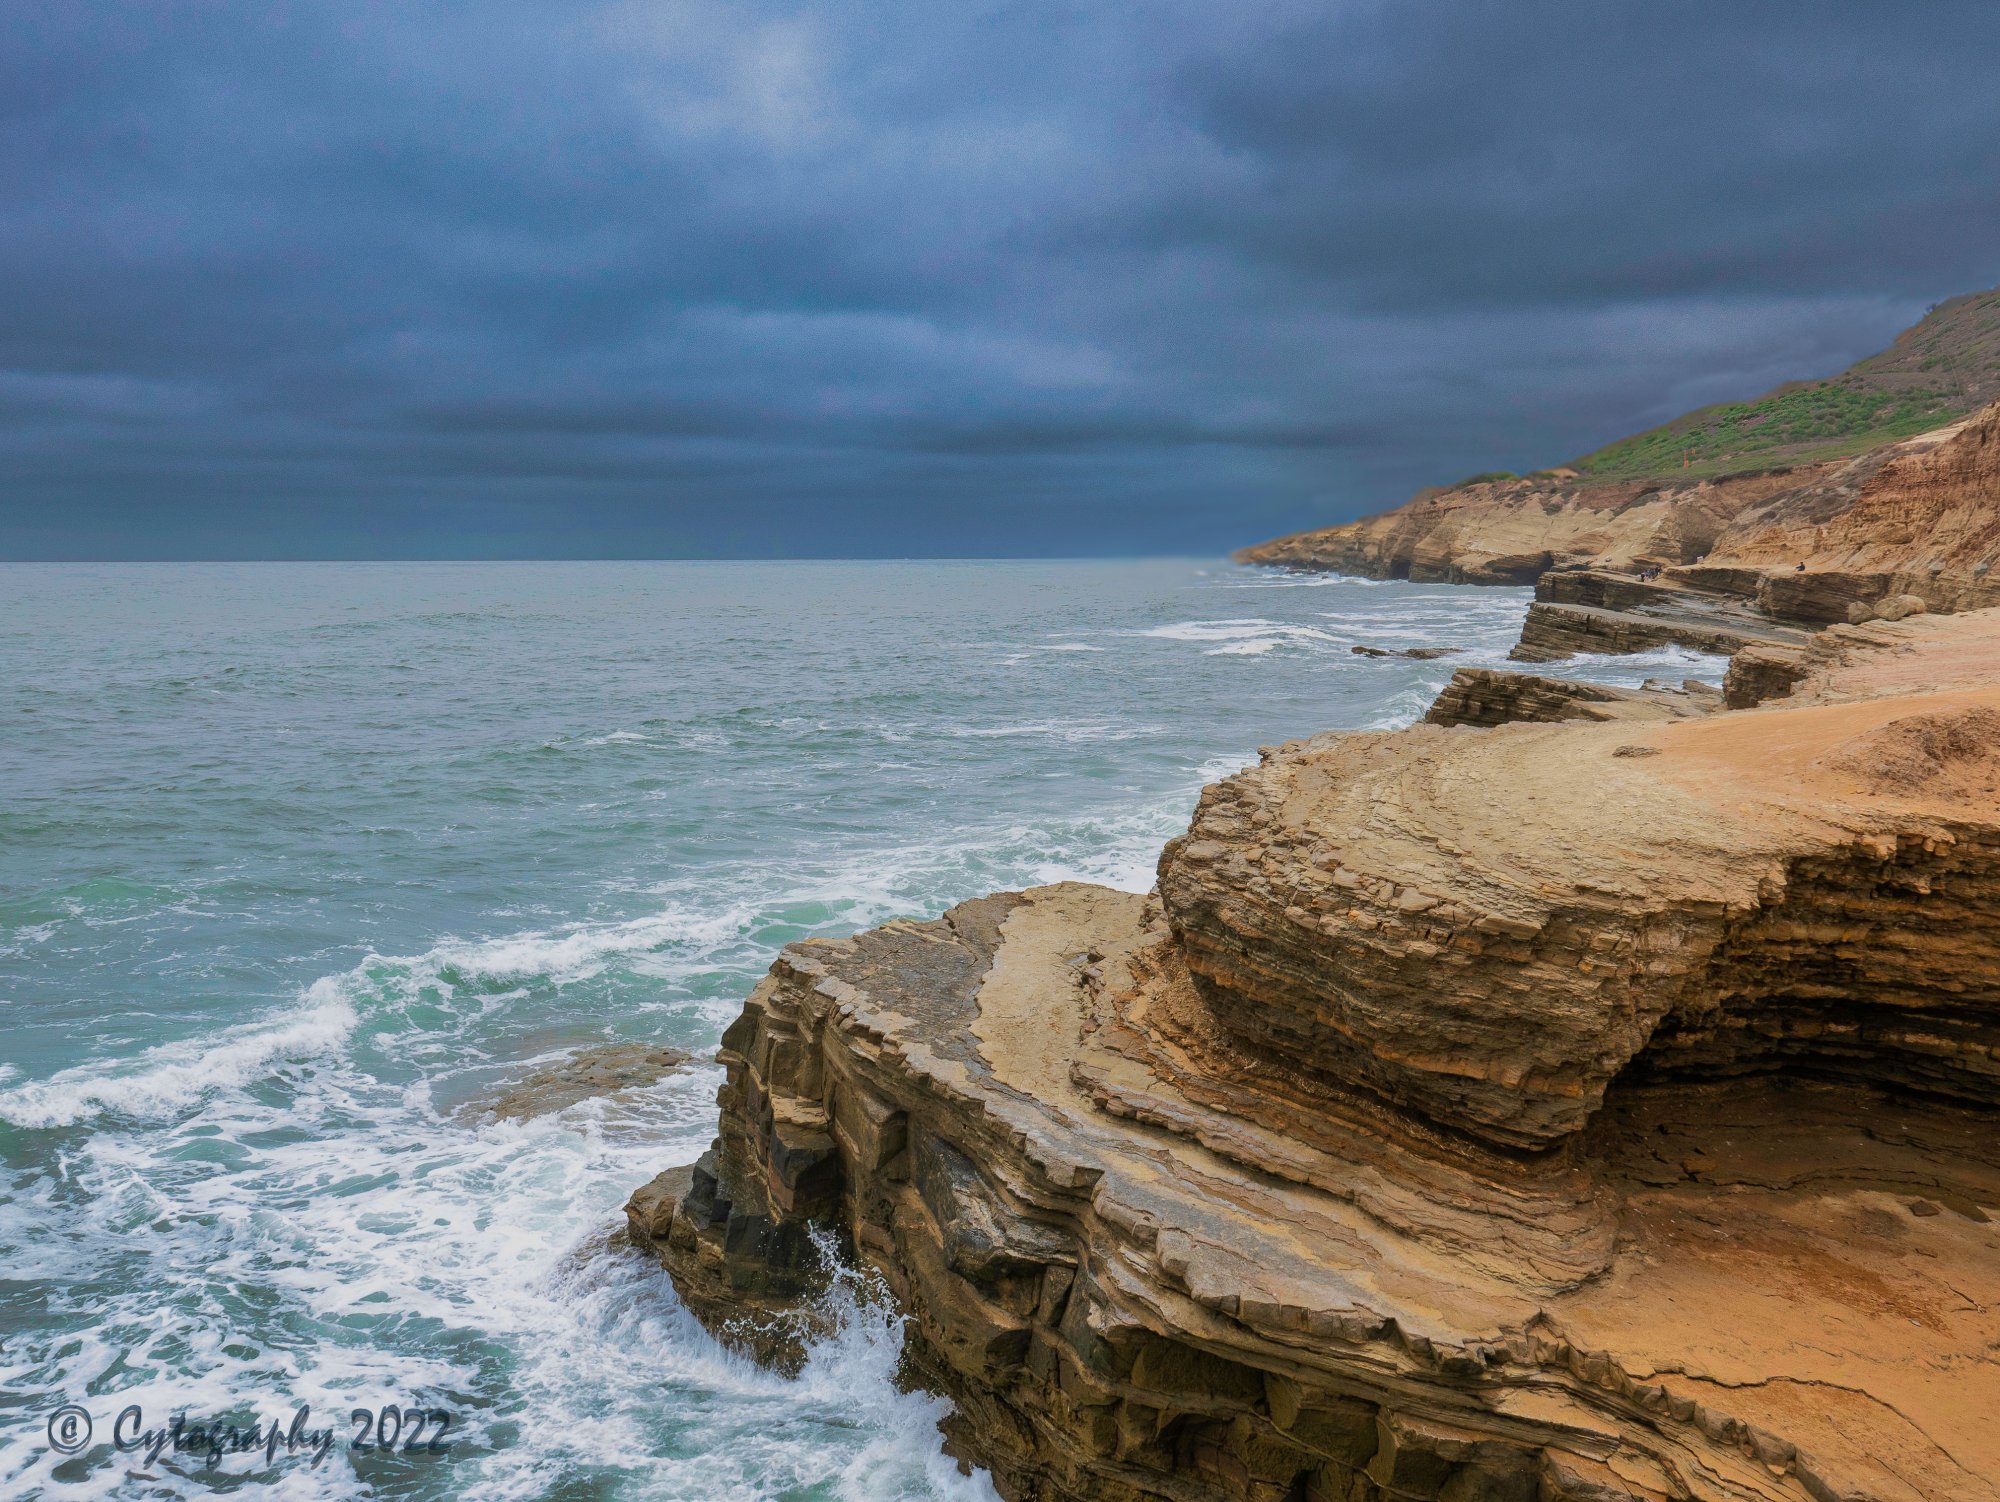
(1941, 369)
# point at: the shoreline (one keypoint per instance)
(1208, 1194)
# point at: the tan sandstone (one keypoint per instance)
(1597, 1109)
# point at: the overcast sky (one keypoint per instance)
(701, 277)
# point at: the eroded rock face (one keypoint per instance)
(1714, 566)
(1919, 519)
(1589, 611)
(1554, 1111)
(1483, 697)
(1763, 671)
(1362, 921)
(1515, 530)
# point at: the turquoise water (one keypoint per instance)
(296, 860)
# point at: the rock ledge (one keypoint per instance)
(1591, 1109)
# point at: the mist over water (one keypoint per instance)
(297, 860)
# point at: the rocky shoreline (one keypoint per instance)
(1586, 1094)
(1777, 554)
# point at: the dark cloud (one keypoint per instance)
(701, 276)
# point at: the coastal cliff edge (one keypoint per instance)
(1430, 1131)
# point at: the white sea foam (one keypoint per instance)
(484, 1229)
(1211, 630)
(1255, 648)
(701, 740)
(26, 935)
(1280, 579)
(1073, 732)
(172, 1076)
(1240, 638)
(1404, 708)
(578, 951)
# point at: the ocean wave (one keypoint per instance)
(418, 1008)
(1068, 731)
(169, 1077)
(1240, 638)
(1631, 670)
(24, 938)
(403, 1222)
(759, 1444)
(575, 952)
(1405, 708)
(1255, 648)
(1210, 630)
(1306, 580)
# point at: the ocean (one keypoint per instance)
(300, 863)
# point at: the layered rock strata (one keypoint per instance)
(1486, 697)
(1920, 518)
(1434, 1132)
(1675, 493)
(1591, 611)
(1714, 565)
(1927, 653)
(1512, 531)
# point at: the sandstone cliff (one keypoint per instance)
(1515, 530)
(1912, 527)
(1917, 517)
(1920, 518)
(1484, 697)
(1756, 486)
(1436, 1132)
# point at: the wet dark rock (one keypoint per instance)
(588, 1073)
(1418, 654)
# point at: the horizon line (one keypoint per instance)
(662, 558)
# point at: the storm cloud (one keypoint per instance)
(711, 277)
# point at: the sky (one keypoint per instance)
(293, 279)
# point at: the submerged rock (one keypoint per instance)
(1418, 654)
(587, 1073)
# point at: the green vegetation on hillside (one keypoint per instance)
(1823, 421)
(1944, 367)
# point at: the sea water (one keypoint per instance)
(298, 863)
